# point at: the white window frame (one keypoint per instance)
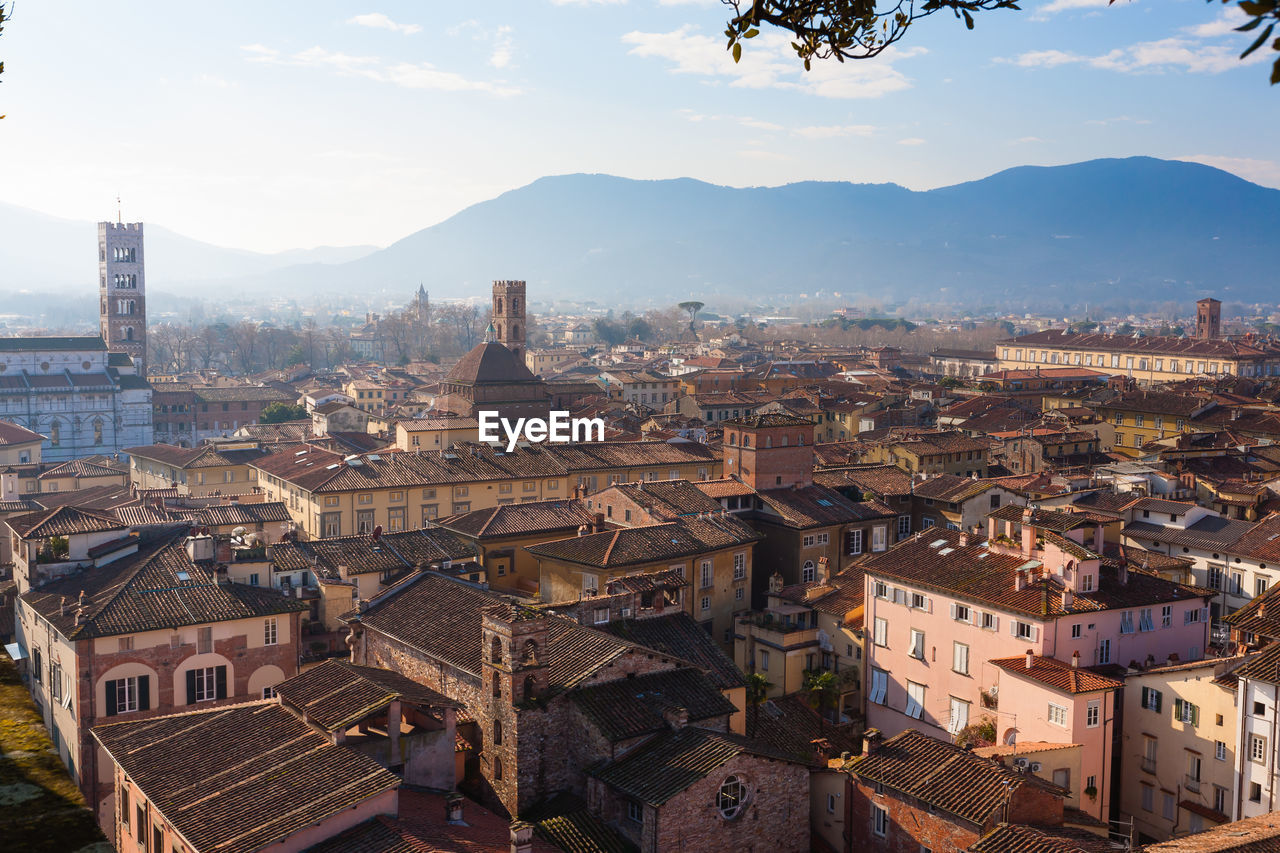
(1057, 714)
(960, 658)
(917, 647)
(879, 686)
(879, 821)
(915, 700)
(270, 632)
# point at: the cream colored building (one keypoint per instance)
(1178, 749)
(435, 433)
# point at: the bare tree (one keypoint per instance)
(244, 339)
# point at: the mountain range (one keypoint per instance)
(1139, 229)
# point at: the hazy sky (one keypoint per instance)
(275, 125)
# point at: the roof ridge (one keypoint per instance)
(128, 576)
(492, 517)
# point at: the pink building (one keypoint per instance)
(945, 607)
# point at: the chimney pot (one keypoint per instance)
(1075, 660)
(521, 837)
(870, 738)
(1031, 658)
(453, 808)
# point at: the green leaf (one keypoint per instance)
(737, 51)
(751, 33)
(1258, 43)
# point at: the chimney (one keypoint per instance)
(521, 837)
(453, 809)
(676, 717)
(62, 606)
(83, 599)
(1068, 598)
(1123, 573)
(1031, 659)
(964, 539)
(870, 738)
(1075, 660)
(597, 522)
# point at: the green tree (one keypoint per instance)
(822, 690)
(275, 413)
(757, 694)
(861, 29)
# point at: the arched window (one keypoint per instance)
(515, 304)
(497, 309)
(733, 440)
(530, 688)
(497, 768)
(497, 732)
(768, 441)
(732, 797)
(515, 331)
(128, 333)
(497, 685)
(495, 650)
(530, 652)
(97, 430)
(746, 441)
(800, 440)
(807, 573)
(55, 433)
(784, 441)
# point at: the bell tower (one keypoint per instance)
(514, 657)
(122, 290)
(508, 315)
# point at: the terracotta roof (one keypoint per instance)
(1264, 666)
(665, 499)
(243, 513)
(1154, 344)
(1211, 533)
(1259, 834)
(1261, 615)
(158, 587)
(1020, 838)
(1262, 541)
(942, 775)
(627, 708)
(262, 774)
(242, 393)
(629, 546)
(1056, 674)
(880, 480)
(816, 506)
(951, 488)
(725, 488)
(361, 554)
(519, 519)
(1023, 746)
(12, 434)
(789, 724)
(336, 694)
(669, 763)
(574, 829)
(82, 468)
(1059, 521)
(766, 421)
(678, 635)
(490, 362)
(63, 521)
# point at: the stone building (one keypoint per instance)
(72, 391)
(122, 291)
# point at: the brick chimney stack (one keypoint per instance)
(1031, 658)
(870, 739)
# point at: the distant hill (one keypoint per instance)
(1137, 230)
(41, 252)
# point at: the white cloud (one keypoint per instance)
(379, 21)
(833, 131)
(409, 75)
(768, 62)
(1027, 140)
(1055, 6)
(1226, 22)
(502, 48)
(745, 121)
(1264, 172)
(911, 140)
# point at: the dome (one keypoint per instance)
(489, 362)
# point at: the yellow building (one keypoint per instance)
(712, 553)
(331, 495)
(19, 445)
(1138, 417)
(933, 453)
(1148, 360)
(435, 433)
(197, 471)
(369, 396)
(1178, 753)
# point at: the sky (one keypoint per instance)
(279, 125)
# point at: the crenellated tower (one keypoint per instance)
(122, 290)
(509, 316)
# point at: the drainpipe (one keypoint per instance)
(1271, 769)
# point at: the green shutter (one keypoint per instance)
(220, 681)
(1195, 715)
(1177, 709)
(191, 687)
(144, 693)
(112, 707)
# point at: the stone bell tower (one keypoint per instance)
(511, 718)
(508, 315)
(122, 290)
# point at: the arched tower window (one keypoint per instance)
(497, 768)
(55, 433)
(97, 430)
(515, 304)
(497, 309)
(530, 688)
(128, 333)
(497, 732)
(495, 650)
(530, 655)
(497, 685)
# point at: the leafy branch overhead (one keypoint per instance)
(862, 29)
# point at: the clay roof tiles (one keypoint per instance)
(628, 546)
(337, 694)
(1057, 674)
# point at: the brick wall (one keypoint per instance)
(910, 824)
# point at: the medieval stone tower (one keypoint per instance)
(508, 315)
(514, 669)
(122, 290)
(1208, 319)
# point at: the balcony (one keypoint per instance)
(1148, 765)
(1192, 784)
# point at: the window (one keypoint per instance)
(855, 542)
(1260, 586)
(1259, 709)
(1023, 630)
(141, 819)
(990, 621)
(1186, 712)
(1092, 712)
(961, 613)
(268, 693)
(1144, 620)
(635, 812)
(1148, 798)
(737, 594)
(1220, 750)
(706, 602)
(959, 715)
(904, 526)
(1104, 650)
(1166, 616)
(206, 684)
(270, 633)
(808, 573)
(732, 797)
(879, 686)
(960, 658)
(831, 803)
(1086, 583)
(739, 567)
(1255, 792)
(125, 695)
(915, 700)
(204, 640)
(824, 538)
(880, 635)
(764, 659)
(1057, 714)
(1062, 777)
(879, 820)
(1258, 749)
(807, 541)
(881, 590)
(1193, 771)
(1168, 807)
(707, 576)
(919, 601)
(1075, 631)
(1151, 698)
(878, 537)
(1126, 622)
(917, 644)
